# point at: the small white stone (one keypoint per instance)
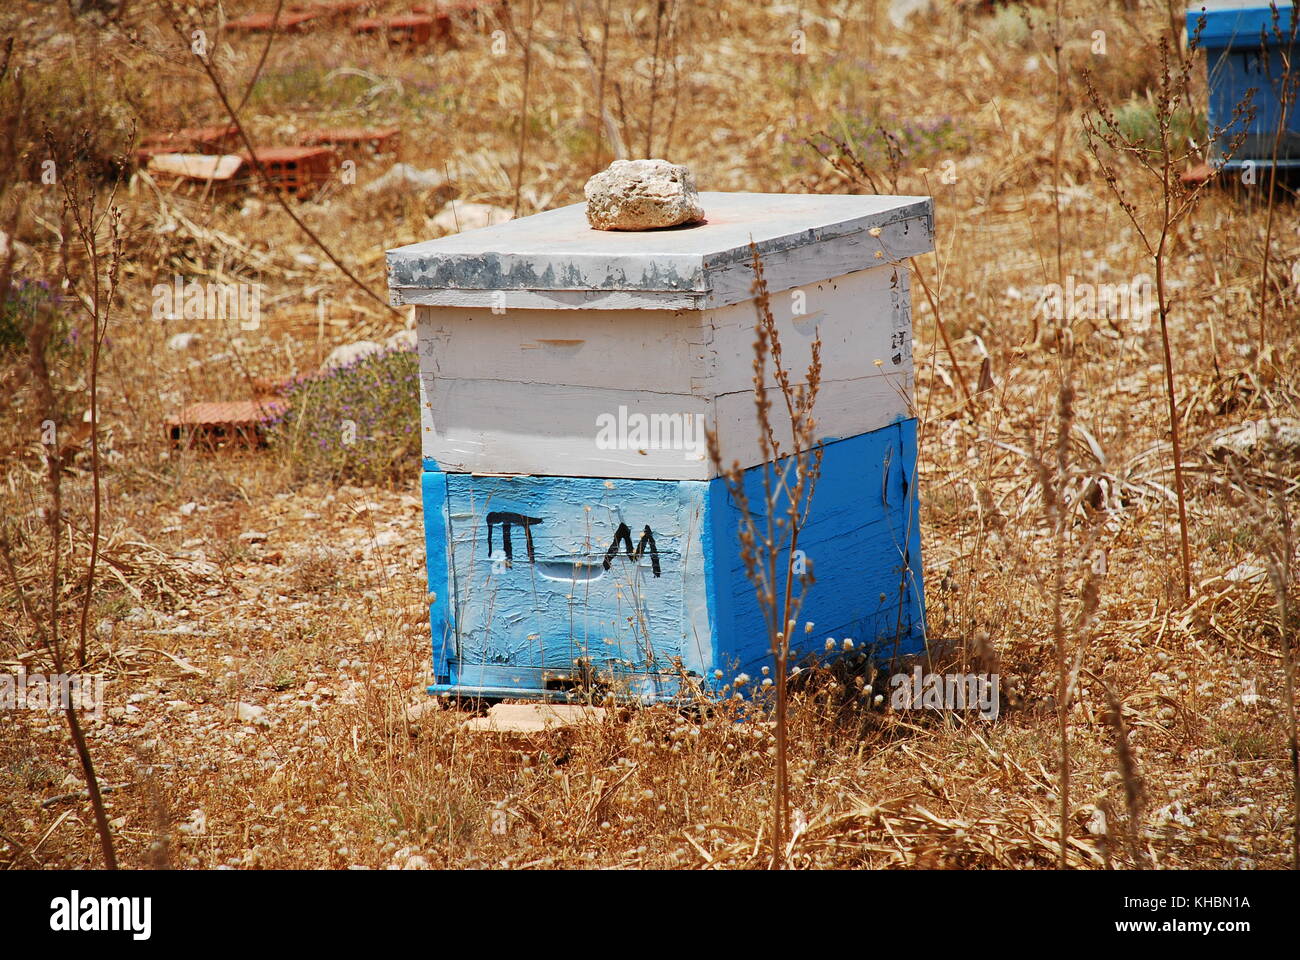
(403, 176)
(386, 538)
(196, 826)
(1272, 437)
(416, 711)
(642, 195)
(1246, 573)
(249, 713)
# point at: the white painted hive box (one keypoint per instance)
(548, 348)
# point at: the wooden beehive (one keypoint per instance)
(555, 552)
(1243, 54)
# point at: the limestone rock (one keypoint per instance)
(457, 218)
(249, 713)
(404, 176)
(642, 195)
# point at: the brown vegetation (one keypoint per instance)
(264, 637)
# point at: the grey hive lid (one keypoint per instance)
(556, 260)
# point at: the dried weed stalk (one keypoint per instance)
(767, 546)
(104, 259)
(1268, 515)
(1157, 229)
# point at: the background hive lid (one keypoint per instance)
(556, 260)
(1238, 23)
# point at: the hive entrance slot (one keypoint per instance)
(570, 571)
(583, 678)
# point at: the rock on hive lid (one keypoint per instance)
(555, 260)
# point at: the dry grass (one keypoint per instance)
(322, 622)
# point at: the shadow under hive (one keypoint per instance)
(574, 525)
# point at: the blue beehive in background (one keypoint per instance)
(575, 527)
(1243, 52)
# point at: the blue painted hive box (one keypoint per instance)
(1245, 49)
(575, 527)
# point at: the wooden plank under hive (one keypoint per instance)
(198, 171)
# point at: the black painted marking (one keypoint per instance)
(624, 535)
(507, 520)
(648, 538)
